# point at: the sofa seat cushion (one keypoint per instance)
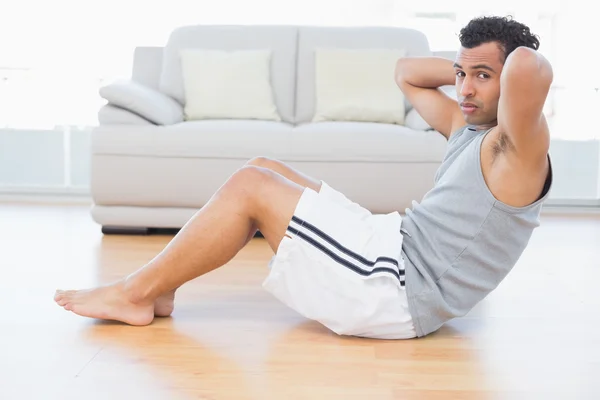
(335, 141)
(197, 139)
(339, 141)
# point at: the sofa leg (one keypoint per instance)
(125, 230)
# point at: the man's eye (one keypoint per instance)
(483, 75)
(460, 73)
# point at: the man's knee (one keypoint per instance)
(264, 162)
(253, 187)
(250, 180)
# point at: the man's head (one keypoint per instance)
(486, 43)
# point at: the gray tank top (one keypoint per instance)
(460, 242)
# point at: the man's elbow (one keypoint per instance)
(529, 61)
(399, 72)
(526, 64)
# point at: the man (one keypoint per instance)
(382, 276)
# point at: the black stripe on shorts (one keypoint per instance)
(398, 274)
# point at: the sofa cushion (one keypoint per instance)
(312, 37)
(209, 138)
(281, 40)
(365, 141)
(358, 85)
(244, 139)
(228, 85)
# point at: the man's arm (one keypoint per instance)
(420, 78)
(524, 86)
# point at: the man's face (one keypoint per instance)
(478, 83)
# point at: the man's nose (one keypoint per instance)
(466, 89)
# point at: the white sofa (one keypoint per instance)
(153, 168)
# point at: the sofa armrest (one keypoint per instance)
(142, 100)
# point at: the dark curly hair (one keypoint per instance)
(508, 33)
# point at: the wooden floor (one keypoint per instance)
(536, 337)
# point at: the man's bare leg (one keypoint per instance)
(164, 305)
(253, 198)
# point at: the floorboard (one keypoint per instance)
(535, 337)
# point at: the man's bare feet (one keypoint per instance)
(111, 302)
(163, 306)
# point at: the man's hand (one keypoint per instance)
(420, 78)
(524, 85)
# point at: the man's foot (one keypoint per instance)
(110, 302)
(163, 306)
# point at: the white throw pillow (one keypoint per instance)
(220, 84)
(415, 121)
(358, 85)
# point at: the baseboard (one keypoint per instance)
(570, 210)
(45, 195)
(68, 199)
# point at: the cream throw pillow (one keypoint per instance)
(358, 85)
(228, 84)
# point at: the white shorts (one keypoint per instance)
(342, 266)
